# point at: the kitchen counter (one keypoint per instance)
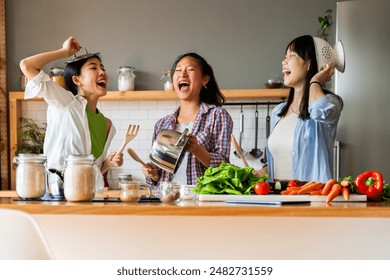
(193, 230)
(8, 199)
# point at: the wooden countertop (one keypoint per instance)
(8, 199)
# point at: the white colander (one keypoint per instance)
(326, 54)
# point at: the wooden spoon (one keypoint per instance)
(136, 157)
(238, 150)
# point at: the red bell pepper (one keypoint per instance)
(371, 184)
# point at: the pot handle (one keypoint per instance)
(182, 138)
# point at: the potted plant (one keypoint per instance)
(325, 22)
(32, 137)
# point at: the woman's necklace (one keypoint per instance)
(292, 103)
(292, 109)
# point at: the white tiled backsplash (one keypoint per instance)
(146, 113)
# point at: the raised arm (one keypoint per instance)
(31, 66)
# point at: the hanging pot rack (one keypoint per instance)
(253, 103)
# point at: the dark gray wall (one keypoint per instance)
(243, 40)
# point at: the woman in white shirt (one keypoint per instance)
(74, 124)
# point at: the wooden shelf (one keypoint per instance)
(231, 94)
(15, 106)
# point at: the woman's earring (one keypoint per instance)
(204, 86)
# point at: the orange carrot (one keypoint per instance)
(293, 192)
(328, 186)
(311, 187)
(285, 192)
(308, 184)
(316, 192)
(294, 188)
(335, 191)
(345, 192)
(344, 183)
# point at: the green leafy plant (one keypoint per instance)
(32, 137)
(325, 22)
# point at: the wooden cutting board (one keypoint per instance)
(278, 197)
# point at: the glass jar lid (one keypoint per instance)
(29, 158)
(124, 177)
(57, 71)
(80, 159)
(124, 69)
(166, 74)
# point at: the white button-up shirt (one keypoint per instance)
(67, 130)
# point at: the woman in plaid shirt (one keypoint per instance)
(200, 111)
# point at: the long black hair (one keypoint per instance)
(305, 48)
(74, 69)
(210, 94)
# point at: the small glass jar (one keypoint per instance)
(187, 193)
(31, 175)
(131, 191)
(79, 178)
(57, 75)
(123, 180)
(170, 192)
(126, 78)
(167, 79)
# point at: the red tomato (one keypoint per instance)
(262, 188)
(294, 183)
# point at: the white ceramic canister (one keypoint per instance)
(126, 78)
(79, 178)
(31, 175)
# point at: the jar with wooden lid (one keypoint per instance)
(31, 175)
(57, 75)
(79, 178)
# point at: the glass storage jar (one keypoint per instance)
(123, 180)
(79, 178)
(126, 78)
(167, 79)
(132, 191)
(170, 192)
(57, 75)
(31, 175)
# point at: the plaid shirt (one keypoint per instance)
(212, 128)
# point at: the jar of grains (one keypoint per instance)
(79, 178)
(132, 191)
(31, 175)
(57, 75)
